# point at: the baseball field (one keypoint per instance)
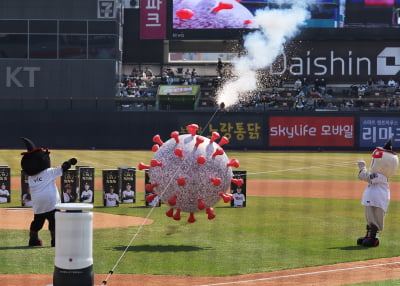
(300, 226)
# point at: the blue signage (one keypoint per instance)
(375, 131)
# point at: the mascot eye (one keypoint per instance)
(377, 154)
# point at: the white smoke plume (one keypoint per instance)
(262, 47)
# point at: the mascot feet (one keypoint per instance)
(34, 239)
(370, 242)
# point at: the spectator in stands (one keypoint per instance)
(188, 75)
(297, 84)
(316, 84)
(149, 73)
(164, 76)
(380, 83)
(299, 104)
(370, 82)
(315, 93)
(392, 82)
(220, 67)
(171, 77)
(322, 86)
(193, 77)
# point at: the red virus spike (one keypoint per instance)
(200, 204)
(192, 129)
(150, 198)
(214, 136)
(237, 182)
(155, 163)
(222, 6)
(233, 163)
(201, 160)
(157, 139)
(216, 181)
(181, 182)
(199, 140)
(150, 187)
(191, 218)
(210, 212)
(172, 201)
(223, 141)
(185, 14)
(177, 215)
(170, 212)
(175, 135)
(143, 166)
(155, 148)
(226, 197)
(178, 152)
(217, 152)
(247, 22)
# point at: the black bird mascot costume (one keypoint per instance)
(36, 163)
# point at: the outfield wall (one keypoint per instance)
(246, 130)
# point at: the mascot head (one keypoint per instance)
(384, 160)
(34, 160)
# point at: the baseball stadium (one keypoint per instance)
(199, 142)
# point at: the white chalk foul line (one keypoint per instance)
(303, 274)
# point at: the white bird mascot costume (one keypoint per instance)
(376, 195)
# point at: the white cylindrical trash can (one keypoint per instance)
(73, 263)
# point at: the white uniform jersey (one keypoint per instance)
(4, 194)
(87, 196)
(377, 193)
(127, 196)
(44, 192)
(111, 199)
(238, 199)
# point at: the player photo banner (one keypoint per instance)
(153, 19)
(69, 185)
(239, 191)
(5, 184)
(154, 202)
(26, 200)
(127, 187)
(110, 188)
(311, 131)
(86, 184)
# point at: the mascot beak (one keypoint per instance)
(30, 146)
(388, 144)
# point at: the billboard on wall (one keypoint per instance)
(153, 19)
(354, 62)
(375, 131)
(311, 131)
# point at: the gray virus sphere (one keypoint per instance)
(190, 173)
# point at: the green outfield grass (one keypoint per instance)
(269, 234)
(259, 165)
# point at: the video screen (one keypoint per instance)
(219, 19)
(209, 14)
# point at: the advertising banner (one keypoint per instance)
(311, 131)
(110, 188)
(69, 186)
(5, 184)
(127, 184)
(375, 131)
(153, 19)
(177, 90)
(26, 200)
(86, 184)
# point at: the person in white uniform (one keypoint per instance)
(44, 193)
(376, 197)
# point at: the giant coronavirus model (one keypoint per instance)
(190, 173)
